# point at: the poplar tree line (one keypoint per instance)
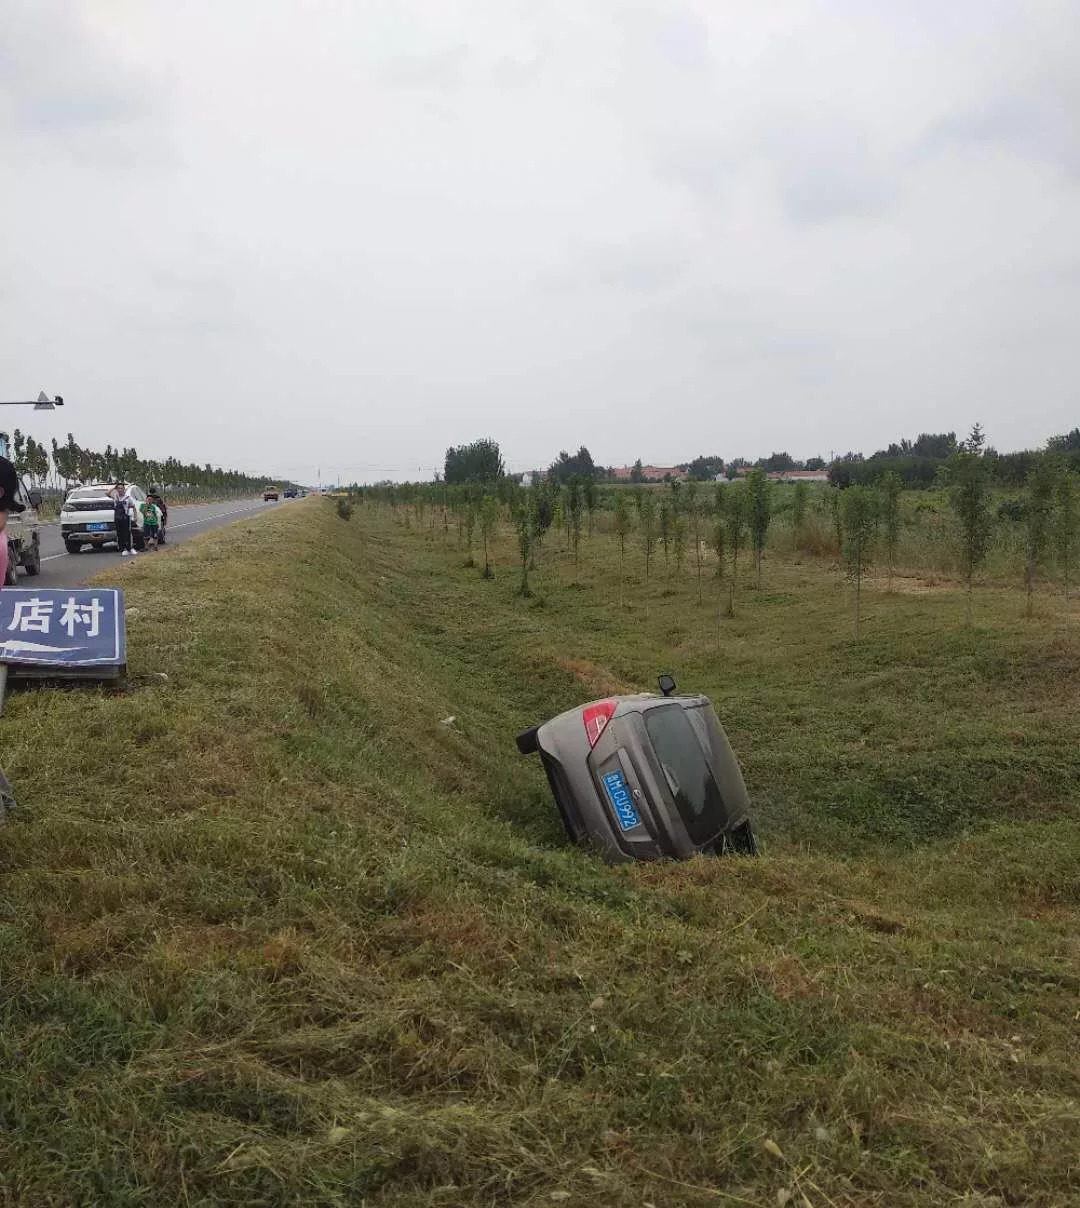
(70, 464)
(724, 523)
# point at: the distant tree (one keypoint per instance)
(544, 512)
(705, 469)
(1066, 529)
(637, 472)
(718, 540)
(470, 528)
(736, 514)
(798, 511)
(815, 463)
(941, 445)
(1068, 442)
(890, 517)
(575, 507)
(675, 487)
(830, 503)
(665, 533)
(489, 519)
(969, 496)
(18, 452)
(622, 531)
(591, 496)
(1041, 489)
(37, 462)
(779, 461)
(678, 537)
(648, 529)
(561, 521)
(840, 474)
(759, 514)
(479, 462)
(860, 522)
(565, 467)
(692, 500)
(525, 526)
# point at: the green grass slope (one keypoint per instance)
(274, 930)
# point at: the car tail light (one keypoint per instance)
(596, 718)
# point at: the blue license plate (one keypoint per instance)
(96, 528)
(621, 800)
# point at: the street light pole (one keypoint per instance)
(41, 403)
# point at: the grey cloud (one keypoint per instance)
(56, 77)
(643, 265)
(824, 175)
(195, 300)
(701, 165)
(442, 71)
(456, 68)
(1037, 127)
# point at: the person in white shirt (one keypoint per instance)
(124, 514)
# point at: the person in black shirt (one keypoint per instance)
(9, 502)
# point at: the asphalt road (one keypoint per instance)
(61, 569)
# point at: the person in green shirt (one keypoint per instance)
(151, 515)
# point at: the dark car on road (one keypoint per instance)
(645, 777)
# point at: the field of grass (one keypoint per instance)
(291, 922)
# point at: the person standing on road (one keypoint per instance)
(9, 502)
(151, 515)
(123, 510)
(155, 496)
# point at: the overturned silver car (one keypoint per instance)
(645, 777)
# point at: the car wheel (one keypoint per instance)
(73, 547)
(12, 567)
(527, 742)
(33, 563)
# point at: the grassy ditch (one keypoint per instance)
(290, 922)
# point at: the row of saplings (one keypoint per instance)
(735, 519)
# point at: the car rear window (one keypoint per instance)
(88, 493)
(688, 776)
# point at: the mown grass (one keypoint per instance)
(274, 929)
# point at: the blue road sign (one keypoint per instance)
(59, 627)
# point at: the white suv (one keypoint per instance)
(88, 517)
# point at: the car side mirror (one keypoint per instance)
(667, 684)
(35, 498)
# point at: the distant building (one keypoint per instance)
(789, 475)
(649, 473)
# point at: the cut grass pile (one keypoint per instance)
(290, 922)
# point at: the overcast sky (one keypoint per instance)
(288, 235)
